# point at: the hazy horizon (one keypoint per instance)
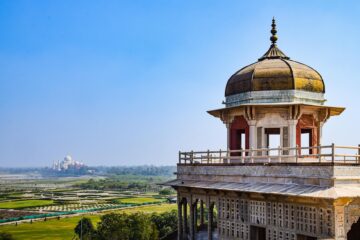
(129, 83)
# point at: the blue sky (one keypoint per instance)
(129, 82)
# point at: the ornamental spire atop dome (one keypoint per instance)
(274, 51)
(273, 31)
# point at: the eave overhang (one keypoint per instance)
(333, 111)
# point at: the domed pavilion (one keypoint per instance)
(276, 180)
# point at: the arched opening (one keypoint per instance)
(354, 233)
(307, 134)
(204, 220)
(211, 224)
(273, 140)
(239, 135)
(306, 140)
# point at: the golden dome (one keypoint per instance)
(275, 74)
(275, 71)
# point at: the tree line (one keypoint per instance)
(123, 226)
(143, 170)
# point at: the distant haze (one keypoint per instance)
(129, 82)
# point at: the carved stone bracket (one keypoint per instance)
(226, 117)
(324, 114)
(295, 112)
(250, 113)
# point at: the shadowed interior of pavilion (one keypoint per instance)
(197, 219)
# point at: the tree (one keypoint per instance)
(166, 222)
(154, 233)
(5, 236)
(113, 226)
(85, 229)
(142, 227)
(124, 226)
(165, 191)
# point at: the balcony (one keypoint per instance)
(319, 155)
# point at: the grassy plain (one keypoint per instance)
(64, 228)
(25, 204)
(139, 200)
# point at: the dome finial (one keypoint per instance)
(273, 31)
(274, 51)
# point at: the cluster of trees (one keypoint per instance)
(143, 170)
(113, 183)
(166, 191)
(70, 172)
(166, 171)
(20, 170)
(136, 226)
(124, 182)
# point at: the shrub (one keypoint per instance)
(5, 236)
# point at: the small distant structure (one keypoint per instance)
(67, 163)
(172, 199)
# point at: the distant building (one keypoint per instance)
(172, 199)
(275, 180)
(67, 163)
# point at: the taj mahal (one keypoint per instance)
(276, 180)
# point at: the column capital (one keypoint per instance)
(292, 121)
(252, 122)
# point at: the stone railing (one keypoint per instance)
(330, 154)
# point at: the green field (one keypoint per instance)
(140, 200)
(25, 204)
(64, 228)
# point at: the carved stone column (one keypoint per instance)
(180, 219)
(185, 219)
(192, 221)
(340, 222)
(252, 134)
(228, 130)
(292, 136)
(210, 221)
